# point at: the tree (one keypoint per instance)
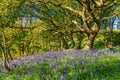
(92, 13)
(59, 22)
(7, 19)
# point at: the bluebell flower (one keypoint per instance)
(65, 70)
(63, 77)
(81, 62)
(14, 65)
(54, 67)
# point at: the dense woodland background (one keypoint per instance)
(31, 26)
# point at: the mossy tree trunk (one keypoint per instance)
(4, 52)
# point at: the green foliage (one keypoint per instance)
(38, 26)
(116, 39)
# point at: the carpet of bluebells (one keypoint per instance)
(101, 64)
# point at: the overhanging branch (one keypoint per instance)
(73, 10)
(79, 26)
(105, 18)
(65, 7)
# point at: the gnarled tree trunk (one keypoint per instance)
(91, 38)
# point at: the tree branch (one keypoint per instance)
(80, 27)
(73, 10)
(85, 19)
(104, 18)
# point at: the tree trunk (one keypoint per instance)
(72, 40)
(4, 53)
(22, 49)
(80, 37)
(91, 38)
(8, 51)
(5, 62)
(65, 44)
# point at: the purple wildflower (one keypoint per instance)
(65, 70)
(81, 62)
(63, 77)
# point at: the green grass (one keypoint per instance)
(107, 71)
(104, 68)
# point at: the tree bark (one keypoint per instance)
(4, 53)
(91, 38)
(8, 51)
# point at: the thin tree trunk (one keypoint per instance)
(8, 51)
(80, 38)
(4, 58)
(73, 42)
(4, 53)
(79, 44)
(65, 44)
(27, 51)
(22, 49)
(5, 62)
